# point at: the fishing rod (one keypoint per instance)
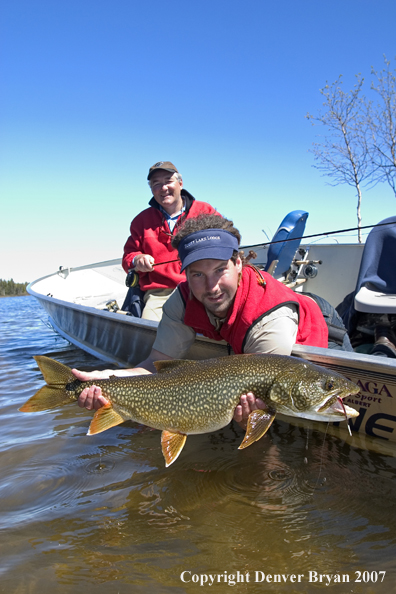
(321, 234)
(132, 278)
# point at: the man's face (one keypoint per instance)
(214, 283)
(167, 190)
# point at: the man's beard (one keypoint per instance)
(218, 309)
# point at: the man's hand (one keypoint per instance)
(91, 398)
(247, 404)
(143, 263)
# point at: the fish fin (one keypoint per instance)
(46, 398)
(105, 418)
(54, 394)
(259, 422)
(170, 364)
(54, 373)
(172, 444)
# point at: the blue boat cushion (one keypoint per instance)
(292, 226)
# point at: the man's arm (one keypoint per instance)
(134, 244)
(91, 398)
(275, 333)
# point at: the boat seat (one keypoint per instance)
(280, 255)
(368, 300)
(376, 286)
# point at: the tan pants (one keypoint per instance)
(153, 303)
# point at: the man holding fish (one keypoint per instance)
(225, 298)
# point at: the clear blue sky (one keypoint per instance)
(94, 92)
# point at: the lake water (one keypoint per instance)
(102, 514)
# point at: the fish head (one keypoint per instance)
(313, 392)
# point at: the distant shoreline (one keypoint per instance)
(23, 295)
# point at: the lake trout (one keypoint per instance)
(186, 397)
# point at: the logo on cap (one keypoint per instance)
(194, 242)
(158, 164)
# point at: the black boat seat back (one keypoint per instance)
(292, 229)
(376, 284)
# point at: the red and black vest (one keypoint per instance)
(253, 300)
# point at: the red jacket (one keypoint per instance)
(150, 234)
(253, 300)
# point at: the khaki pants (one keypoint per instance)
(153, 303)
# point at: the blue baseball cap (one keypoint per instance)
(209, 244)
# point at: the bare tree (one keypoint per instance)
(343, 154)
(381, 122)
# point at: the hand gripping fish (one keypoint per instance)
(186, 397)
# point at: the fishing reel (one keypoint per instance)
(132, 278)
(112, 305)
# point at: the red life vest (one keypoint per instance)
(253, 300)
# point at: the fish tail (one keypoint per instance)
(60, 388)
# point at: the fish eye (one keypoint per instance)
(327, 384)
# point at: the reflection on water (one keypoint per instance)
(102, 513)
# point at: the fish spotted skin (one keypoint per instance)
(189, 397)
(201, 396)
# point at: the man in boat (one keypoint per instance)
(151, 234)
(225, 298)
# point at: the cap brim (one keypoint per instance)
(209, 253)
(163, 169)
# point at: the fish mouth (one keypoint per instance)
(334, 405)
(330, 410)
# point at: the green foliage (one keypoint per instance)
(10, 289)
